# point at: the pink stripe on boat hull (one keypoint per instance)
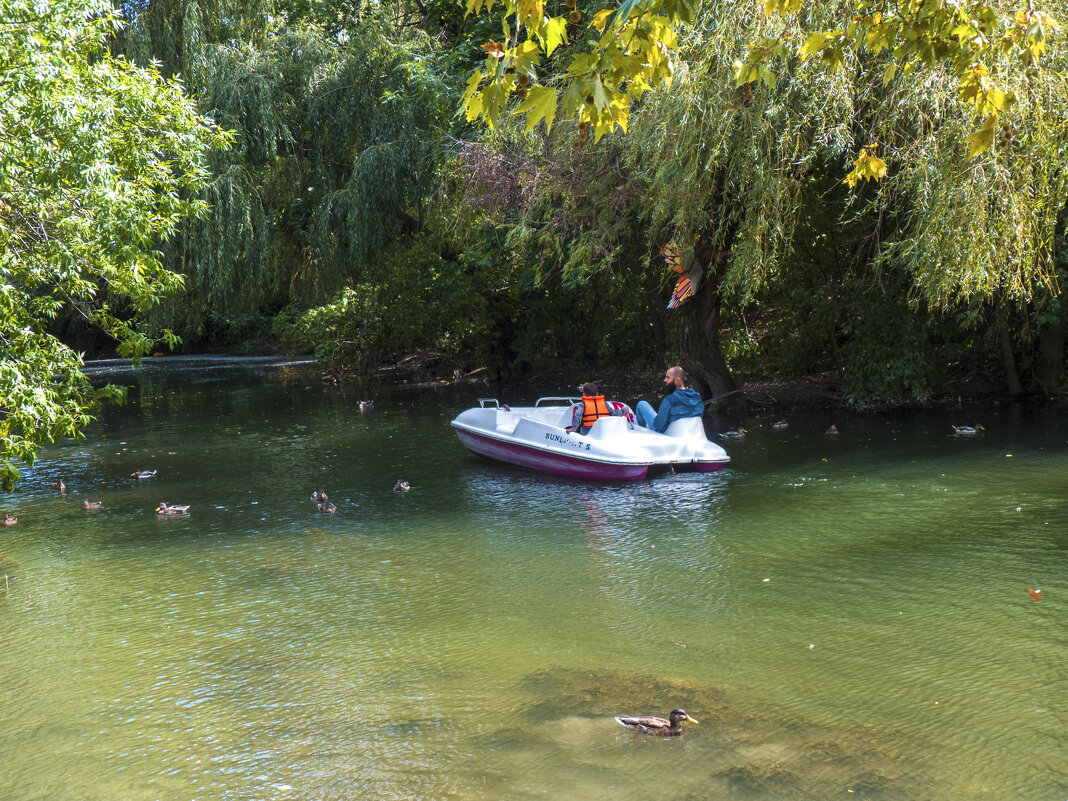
(548, 462)
(700, 467)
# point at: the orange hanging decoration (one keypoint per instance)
(679, 259)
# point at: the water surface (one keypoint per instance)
(846, 616)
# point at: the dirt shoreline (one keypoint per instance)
(821, 391)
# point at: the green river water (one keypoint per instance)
(847, 617)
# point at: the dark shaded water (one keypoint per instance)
(847, 617)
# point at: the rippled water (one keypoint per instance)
(847, 617)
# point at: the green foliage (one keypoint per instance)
(628, 51)
(816, 154)
(99, 161)
(338, 134)
(415, 300)
(626, 55)
(983, 49)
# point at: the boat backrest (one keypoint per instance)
(608, 427)
(687, 428)
(567, 416)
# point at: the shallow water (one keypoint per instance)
(846, 616)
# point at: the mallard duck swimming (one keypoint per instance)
(59, 485)
(402, 486)
(737, 433)
(832, 430)
(658, 727)
(967, 431)
(779, 425)
(318, 496)
(366, 404)
(164, 509)
(8, 520)
(139, 474)
(327, 508)
(91, 504)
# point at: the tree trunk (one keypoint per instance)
(699, 347)
(1012, 374)
(1050, 367)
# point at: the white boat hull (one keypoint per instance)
(613, 450)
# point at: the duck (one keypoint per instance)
(737, 433)
(164, 509)
(967, 431)
(327, 508)
(59, 485)
(832, 430)
(8, 520)
(87, 505)
(139, 474)
(319, 496)
(779, 425)
(401, 486)
(658, 727)
(366, 404)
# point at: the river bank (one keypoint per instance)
(755, 392)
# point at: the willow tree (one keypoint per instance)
(99, 161)
(769, 100)
(338, 114)
(730, 168)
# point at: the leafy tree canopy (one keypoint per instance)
(627, 51)
(99, 160)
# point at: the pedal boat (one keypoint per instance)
(614, 449)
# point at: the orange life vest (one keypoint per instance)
(593, 408)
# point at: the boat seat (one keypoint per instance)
(567, 416)
(686, 427)
(506, 421)
(608, 427)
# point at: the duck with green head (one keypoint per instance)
(656, 726)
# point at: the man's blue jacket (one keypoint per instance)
(679, 404)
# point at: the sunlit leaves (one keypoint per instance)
(866, 167)
(553, 34)
(540, 104)
(99, 161)
(597, 87)
(977, 41)
(983, 139)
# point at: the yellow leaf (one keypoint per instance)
(539, 105)
(813, 44)
(1000, 100)
(600, 17)
(468, 96)
(555, 33)
(525, 56)
(866, 166)
(982, 139)
(530, 12)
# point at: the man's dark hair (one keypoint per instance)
(589, 388)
